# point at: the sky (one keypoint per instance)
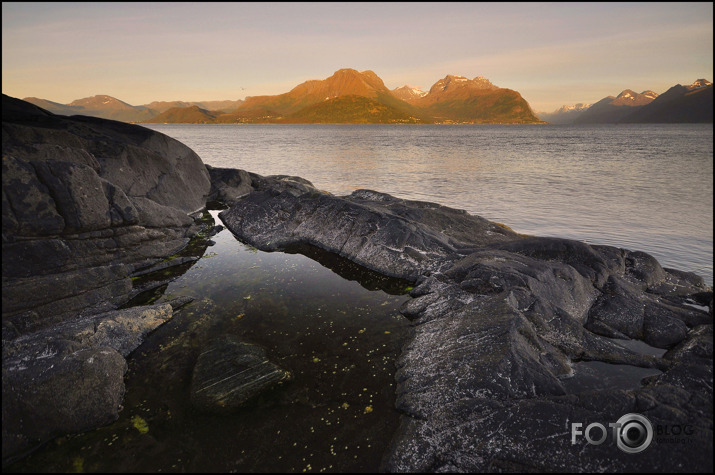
(553, 54)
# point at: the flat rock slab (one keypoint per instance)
(229, 372)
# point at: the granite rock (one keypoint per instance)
(88, 201)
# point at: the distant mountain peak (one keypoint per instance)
(486, 83)
(408, 92)
(346, 81)
(452, 81)
(576, 107)
(699, 83)
(564, 114)
(100, 101)
(627, 94)
(631, 98)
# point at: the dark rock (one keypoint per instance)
(228, 184)
(85, 201)
(582, 257)
(81, 391)
(500, 321)
(623, 310)
(215, 230)
(55, 297)
(165, 265)
(698, 347)
(69, 377)
(396, 237)
(229, 372)
(644, 268)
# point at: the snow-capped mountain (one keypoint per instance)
(407, 92)
(699, 83)
(565, 114)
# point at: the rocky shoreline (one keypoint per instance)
(500, 319)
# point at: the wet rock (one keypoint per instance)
(478, 399)
(229, 372)
(54, 395)
(396, 237)
(86, 203)
(623, 310)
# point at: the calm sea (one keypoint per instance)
(640, 187)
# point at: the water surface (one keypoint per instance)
(646, 187)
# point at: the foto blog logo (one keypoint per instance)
(633, 433)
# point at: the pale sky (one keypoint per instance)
(552, 53)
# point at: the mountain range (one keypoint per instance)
(348, 96)
(351, 96)
(108, 107)
(679, 104)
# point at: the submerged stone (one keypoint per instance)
(230, 372)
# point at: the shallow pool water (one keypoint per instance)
(334, 330)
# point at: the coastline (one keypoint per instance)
(499, 318)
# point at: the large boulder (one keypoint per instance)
(69, 377)
(87, 201)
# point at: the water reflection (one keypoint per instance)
(345, 268)
(337, 338)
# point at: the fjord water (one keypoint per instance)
(646, 187)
